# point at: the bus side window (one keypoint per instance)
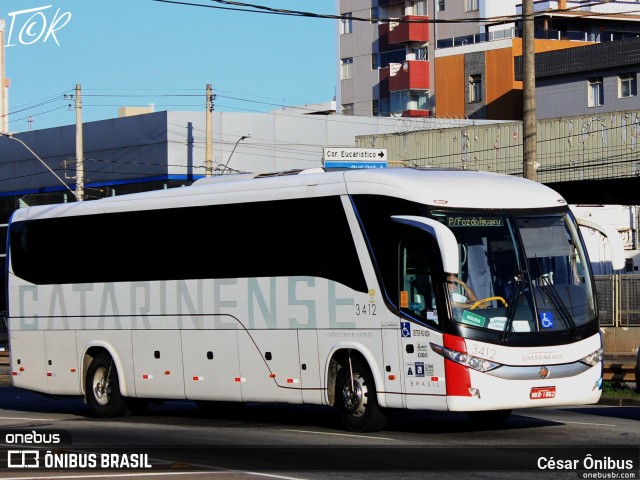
(416, 286)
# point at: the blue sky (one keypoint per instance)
(122, 50)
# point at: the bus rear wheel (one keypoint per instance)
(103, 389)
(356, 398)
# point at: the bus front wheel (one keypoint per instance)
(356, 398)
(102, 388)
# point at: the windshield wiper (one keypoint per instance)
(550, 290)
(511, 309)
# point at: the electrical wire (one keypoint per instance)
(263, 9)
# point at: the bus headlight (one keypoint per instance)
(476, 363)
(593, 358)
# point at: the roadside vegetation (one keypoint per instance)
(619, 389)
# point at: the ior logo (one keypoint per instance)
(543, 372)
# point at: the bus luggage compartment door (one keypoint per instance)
(63, 373)
(28, 360)
(157, 359)
(270, 366)
(211, 365)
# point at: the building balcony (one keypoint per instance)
(411, 75)
(386, 3)
(383, 37)
(384, 82)
(409, 31)
(416, 113)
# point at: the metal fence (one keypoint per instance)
(618, 300)
(582, 147)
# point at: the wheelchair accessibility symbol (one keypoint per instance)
(546, 320)
(406, 329)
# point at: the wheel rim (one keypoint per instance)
(355, 399)
(101, 386)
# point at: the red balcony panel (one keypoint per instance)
(383, 37)
(416, 113)
(412, 75)
(384, 82)
(410, 31)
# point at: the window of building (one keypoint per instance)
(346, 68)
(402, 100)
(395, 56)
(375, 108)
(421, 53)
(375, 61)
(596, 92)
(346, 23)
(627, 85)
(384, 106)
(471, 5)
(375, 14)
(347, 109)
(441, 5)
(475, 88)
(419, 7)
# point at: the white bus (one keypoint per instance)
(311, 287)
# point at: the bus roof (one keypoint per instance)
(440, 187)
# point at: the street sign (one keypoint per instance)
(353, 164)
(353, 157)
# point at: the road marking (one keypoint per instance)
(339, 434)
(28, 418)
(270, 475)
(588, 423)
(537, 419)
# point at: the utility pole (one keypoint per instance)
(529, 121)
(208, 164)
(79, 146)
(4, 108)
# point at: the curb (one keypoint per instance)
(620, 401)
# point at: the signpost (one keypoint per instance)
(354, 158)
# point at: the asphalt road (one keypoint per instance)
(295, 442)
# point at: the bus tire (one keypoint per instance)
(357, 401)
(489, 418)
(103, 389)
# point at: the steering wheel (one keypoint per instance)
(482, 301)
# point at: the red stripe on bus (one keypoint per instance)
(457, 377)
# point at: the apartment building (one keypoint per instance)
(387, 47)
(455, 58)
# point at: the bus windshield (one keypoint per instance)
(519, 273)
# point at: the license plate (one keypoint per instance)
(542, 392)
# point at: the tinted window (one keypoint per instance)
(309, 237)
(384, 235)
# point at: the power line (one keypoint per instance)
(263, 9)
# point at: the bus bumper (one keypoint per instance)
(488, 392)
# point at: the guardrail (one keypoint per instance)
(4, 363)
(617, 371)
